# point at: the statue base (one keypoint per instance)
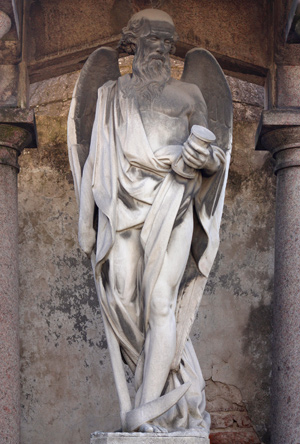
(187, 437)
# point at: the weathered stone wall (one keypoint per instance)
(67, 384)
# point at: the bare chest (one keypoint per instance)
(166, 119)
(162, 129)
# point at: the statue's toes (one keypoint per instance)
(150, 428)
(146, 428)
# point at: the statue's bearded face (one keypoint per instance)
(151, 65)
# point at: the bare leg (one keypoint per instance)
(160, 341)
(120, 288)
(159, 348)
(123, 269)
(161, 336)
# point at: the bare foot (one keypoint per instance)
(150, 428)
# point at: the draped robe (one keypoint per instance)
(134, 187)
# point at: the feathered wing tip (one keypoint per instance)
(100, 67)
(202, 69)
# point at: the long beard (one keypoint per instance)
(150, 75)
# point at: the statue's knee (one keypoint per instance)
(160, 307)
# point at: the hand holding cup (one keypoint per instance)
(195, 152)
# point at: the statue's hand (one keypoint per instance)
(200, 157)
(87, 238)
(195, 155)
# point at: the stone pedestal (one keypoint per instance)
(284, 143)
(148, 438)
(13, 139)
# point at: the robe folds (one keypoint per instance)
(134, 187)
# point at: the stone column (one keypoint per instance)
(17, 131)
(284, 143)
(12, 140)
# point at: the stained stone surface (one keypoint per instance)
(146, 438)
(5, 24)
(8, 85)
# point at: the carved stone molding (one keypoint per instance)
(147, 438)
(284, 144)
(12, 141)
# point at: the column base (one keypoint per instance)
(187, 437)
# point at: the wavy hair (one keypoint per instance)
(132, 32)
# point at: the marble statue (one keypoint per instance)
(150, 156)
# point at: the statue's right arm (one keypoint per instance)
(86, 231)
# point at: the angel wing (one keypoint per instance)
(101, 66)
(202, 69)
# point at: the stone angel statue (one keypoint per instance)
(150, 157)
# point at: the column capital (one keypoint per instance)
(23, 118)
(13, 139)
(279, 133)
(17, 131)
